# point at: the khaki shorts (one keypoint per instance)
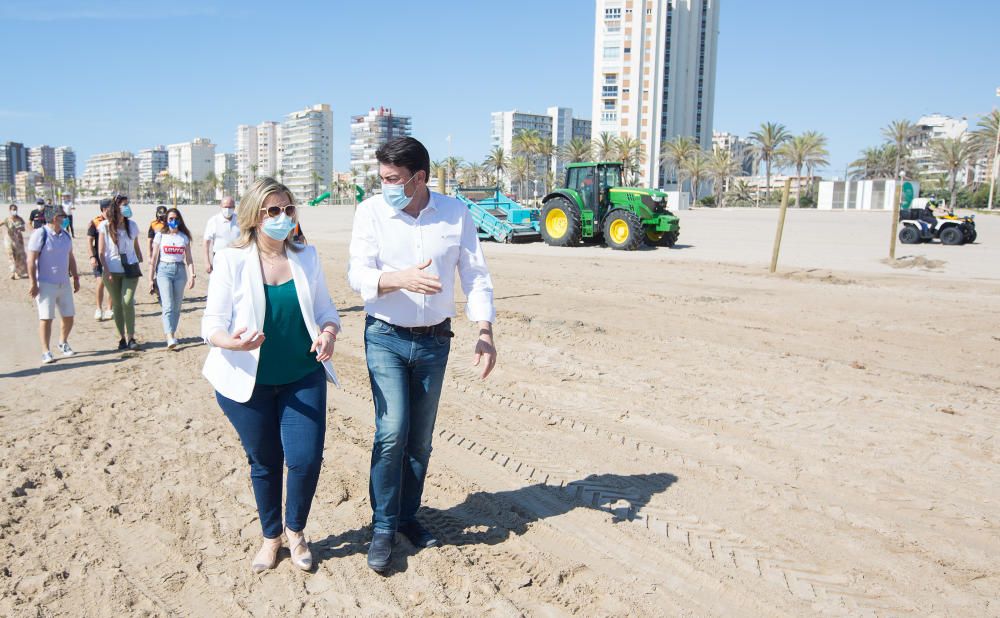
(52, 296)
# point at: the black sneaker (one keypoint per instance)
(122, 344)
(418, 535)
(132, 344)
(380, 550)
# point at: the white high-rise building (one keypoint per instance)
(225, 171)
(150, 162)
(246, 157)
(368, 133)
(106, 170)
(42, 161)
(65, 163)
(268, 148)
(191, 161)
(740, 148)
(654, 74)
(557, 126)
(928, 129)
(307, 158)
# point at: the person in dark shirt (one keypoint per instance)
(37, 216)
(95, 263)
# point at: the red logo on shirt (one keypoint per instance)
(172, 250)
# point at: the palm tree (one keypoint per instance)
(899, 133)
(799, 151)
(605, 146)
(316, 178)
(577, 150)
(817, 156)
(695, 167)
(253, 171)
(766, 142)
(451, 166)
(632, 153)
(497, 161)
(722, 166)
(674, 153)
(472, 174)
(952, 154)
(983, 140)
(520, 170)
(740, 193)
(5, 190)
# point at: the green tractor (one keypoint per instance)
(594, 205)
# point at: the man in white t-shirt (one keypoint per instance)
(220, 231)
(68, 207)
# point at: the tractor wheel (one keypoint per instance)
(909, 235)
(560, 222)
(952, 236)
(623, 230)
(661, 239)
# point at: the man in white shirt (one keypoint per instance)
(68, 207)
(221, 231)
(406, 246)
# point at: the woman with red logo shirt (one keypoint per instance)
(172, 267)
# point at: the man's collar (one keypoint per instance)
(398, 212)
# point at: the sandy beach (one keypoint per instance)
(671, 432)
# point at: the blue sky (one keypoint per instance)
(103, 76)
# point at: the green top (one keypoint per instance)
(285, 355)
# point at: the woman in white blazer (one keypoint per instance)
(272, 327)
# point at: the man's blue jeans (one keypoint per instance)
(282, 424)
(171, 277)
(407, 372)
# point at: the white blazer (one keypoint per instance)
(236, 300)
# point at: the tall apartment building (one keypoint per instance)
(225, 171)
(654, 74)
(106, 170)
(741, 149)
(246, 157)
(928, 129)
(191, 161)
(42, 161)
(557, 125)
(65, 164)
(26, 184)
(13, 159)
(368, 133)
(150, 162)
(268, 148)
(307, 157)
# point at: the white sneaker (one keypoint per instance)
(47, 358)
(66, 350)
(109, 314)
(98, 314)
(172, 343)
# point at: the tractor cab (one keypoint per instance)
(593, 182)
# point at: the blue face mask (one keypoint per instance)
(395, 195)
(278, 227)
(65, 223)
(172, 223)
(127, 211)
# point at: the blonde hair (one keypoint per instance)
(248, 212)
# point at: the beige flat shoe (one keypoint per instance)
(298, 546)
(267, 557)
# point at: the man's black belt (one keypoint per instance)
(442, 329)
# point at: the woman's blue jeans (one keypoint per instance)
(407, 372)
(171, 277)
(278, 425)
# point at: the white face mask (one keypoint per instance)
(228, 212)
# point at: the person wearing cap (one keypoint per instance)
(95, 263)
(221, 231)
(37, 216)
(50, 266)
(156, 226)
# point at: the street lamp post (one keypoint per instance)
(993, 169)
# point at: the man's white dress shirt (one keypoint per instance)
(388, 240)
(221, 231)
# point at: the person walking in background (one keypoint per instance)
(272, 327)
(13, 240)
(156, 226)
(95, 263)
(50, 266)
(171, 266)
(220, 231)
(37, 216)
(118, 248)
(69, 207)
(406, 246)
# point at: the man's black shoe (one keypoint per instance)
(122, 344)
(380, 550)
(418, 535)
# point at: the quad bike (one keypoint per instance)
(920, 225)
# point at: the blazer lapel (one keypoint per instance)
(255, 278)
(303, 291)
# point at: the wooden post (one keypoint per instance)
(895, 220)
(781, 224)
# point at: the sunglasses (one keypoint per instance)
(274, 211)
